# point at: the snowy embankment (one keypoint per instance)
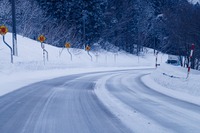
(166, 79)
(171, 80)
(28, 66)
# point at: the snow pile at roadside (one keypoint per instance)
(31, 57)
(28, 66)
(171, 80)
(174, 77)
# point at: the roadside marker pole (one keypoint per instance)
(89, 55)
(69, 53)
(88, 50)
(189, 65)
(11, 50)
(156, 65)
(42, 46)
(3, 31)
(68, 45)
(42, 38)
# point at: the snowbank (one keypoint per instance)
(31, 57)
(28, 66)
(171, 80)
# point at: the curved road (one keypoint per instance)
(70, 105)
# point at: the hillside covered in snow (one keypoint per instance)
(29, 67)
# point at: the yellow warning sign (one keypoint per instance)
(3, 30)
(87, 48)
(67, 45)
(41, 38)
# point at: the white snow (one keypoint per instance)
(137, 122)
(177, 87)
(28, 67)
(172, 81)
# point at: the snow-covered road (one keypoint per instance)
(145, 109)
(62, 105)
(104, 102)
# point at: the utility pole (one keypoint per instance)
(14, 34)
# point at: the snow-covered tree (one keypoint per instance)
(5, 13)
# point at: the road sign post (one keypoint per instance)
(156, 64)
(68, 45)
(42, 38)
(14, 34)
(3, 31)
(87, 48)
(190, 57)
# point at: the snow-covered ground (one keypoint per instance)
(28, 66)
(172, 81)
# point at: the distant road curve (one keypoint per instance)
(167, 113)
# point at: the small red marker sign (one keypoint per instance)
(192, 47)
